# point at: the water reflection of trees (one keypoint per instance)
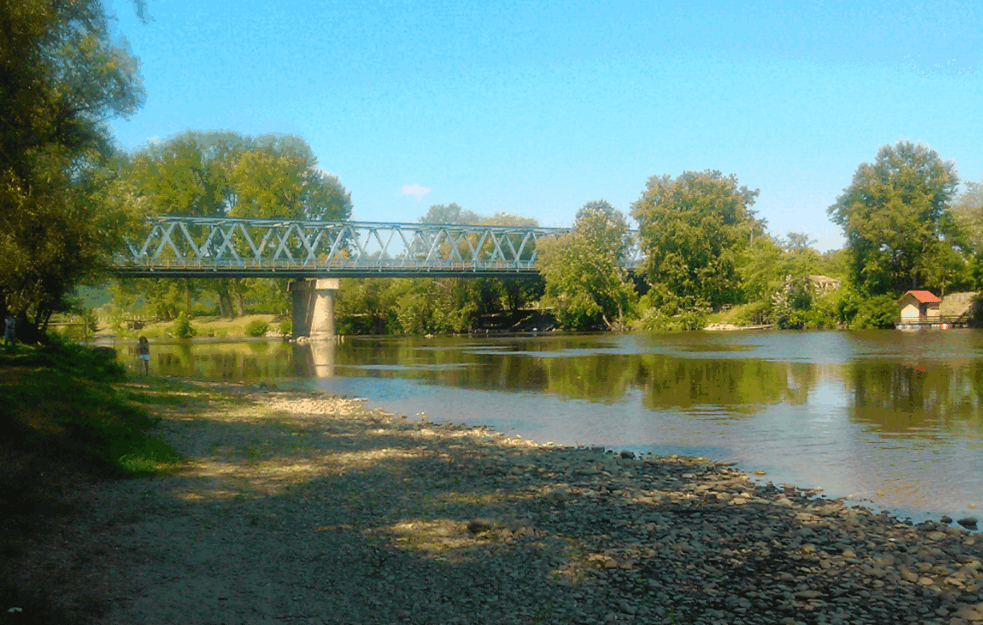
(577, 372)
(915, 398)
(233, 361)
(740, 385)
(896, 397)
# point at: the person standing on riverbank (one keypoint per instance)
(144, 354)
(9, 331)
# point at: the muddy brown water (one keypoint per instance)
(885, 417)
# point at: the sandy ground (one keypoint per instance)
(319, 509)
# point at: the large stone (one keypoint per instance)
(479, 525)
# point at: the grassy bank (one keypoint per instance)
(210, 327)
(69, 419)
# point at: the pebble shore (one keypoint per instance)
(302, 508)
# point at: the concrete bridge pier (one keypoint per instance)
(313, 307)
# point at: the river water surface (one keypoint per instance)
(885, 417)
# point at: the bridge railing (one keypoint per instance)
(197, 246)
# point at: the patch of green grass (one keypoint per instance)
(148, 458)
(63, 399)
(69, 419)
(731, 315)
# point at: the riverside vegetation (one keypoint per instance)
(292, 508)
(69, 199)
(708, 258)
(315, 508)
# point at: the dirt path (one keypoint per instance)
(317, 509)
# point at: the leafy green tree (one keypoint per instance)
(62, 79)
(967, 210)
(449, 214)
(692, 230)
(426, 305)
(182, 327)
(587, 285)
(186, 175)
(216, 174)
(278, 176)
(367, 306)
(896, 218)
(761, 268)
(877, 312)
(516, 293)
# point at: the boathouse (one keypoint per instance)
(920, 307)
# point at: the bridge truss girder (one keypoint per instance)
(197, 247)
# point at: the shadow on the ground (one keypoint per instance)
(282, 517)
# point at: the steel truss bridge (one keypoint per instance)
(199, 247)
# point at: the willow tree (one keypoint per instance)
(62, 79)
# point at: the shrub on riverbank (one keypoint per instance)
(182, 327)
(286, 327)
(257, 328)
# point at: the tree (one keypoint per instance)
(519, 291)
(61, 80)
(692, 229)
(895, 215)
(449, 214)
(968, 213)
(278, 176)
(187, 174)
(217, 174)
(586, 283)
(967, 210)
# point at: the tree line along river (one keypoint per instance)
(884, 417)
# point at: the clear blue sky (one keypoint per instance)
(535, 108)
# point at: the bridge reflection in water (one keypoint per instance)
(315, 359)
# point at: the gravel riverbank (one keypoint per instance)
(318, 509)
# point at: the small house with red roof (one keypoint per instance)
(920, 306)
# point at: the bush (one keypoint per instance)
(876, 312)
(661, 311)
(753, 314)
(286, 327)
(257, 327)
(77, 359)
(182, 327)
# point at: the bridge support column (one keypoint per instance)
(313, 307)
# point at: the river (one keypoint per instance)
(886, 418)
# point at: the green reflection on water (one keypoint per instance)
(887, 383)
(907, 398)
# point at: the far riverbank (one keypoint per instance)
(316, 507)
